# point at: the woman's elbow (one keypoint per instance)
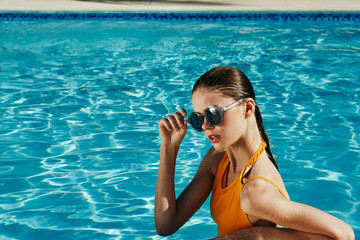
(345, 233)
(163, 230)
(349, 234)
(162, 233)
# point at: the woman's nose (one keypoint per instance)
(207, 125)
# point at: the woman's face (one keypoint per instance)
(233, 125)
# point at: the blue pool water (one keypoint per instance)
(80, 102)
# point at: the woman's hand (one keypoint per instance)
(173, 128)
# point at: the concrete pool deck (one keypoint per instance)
(180, 5)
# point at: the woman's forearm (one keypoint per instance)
(165, 199)
(271, 233)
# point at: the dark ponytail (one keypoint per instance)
(263, 134)
(233, 83)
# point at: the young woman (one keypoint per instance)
(249, 198)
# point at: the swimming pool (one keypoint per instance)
(80, 97)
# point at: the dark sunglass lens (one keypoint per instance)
(196, 120)
(214, 116)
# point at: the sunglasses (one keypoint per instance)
(213, 114)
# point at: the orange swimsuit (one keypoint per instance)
(225, 204)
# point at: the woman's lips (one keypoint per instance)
(214, 138)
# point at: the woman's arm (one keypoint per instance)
(260, 199)
(267, 233)
(172, 213)
(165, 202)
(271, 233)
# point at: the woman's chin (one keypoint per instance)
(219, 147)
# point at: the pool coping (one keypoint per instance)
(181, 6)
(184, 16)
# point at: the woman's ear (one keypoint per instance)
(249, 107)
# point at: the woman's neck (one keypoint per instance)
(240, 152)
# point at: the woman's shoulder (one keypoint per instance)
(265, 176)
(211, 160)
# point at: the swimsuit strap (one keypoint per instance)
(253, 159)
(268, 180)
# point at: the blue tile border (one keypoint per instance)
(184, 16)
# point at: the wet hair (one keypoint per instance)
(233, 83)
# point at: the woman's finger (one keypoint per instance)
(173, 121)
(183, 112)
(179, 118)
(165, 122)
